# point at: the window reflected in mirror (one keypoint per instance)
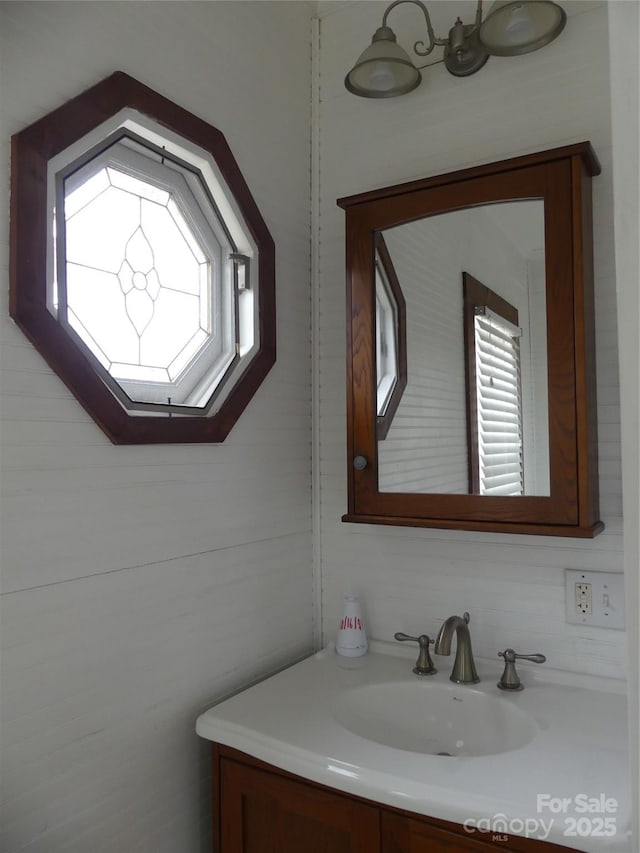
(494, 391)
(391, 339)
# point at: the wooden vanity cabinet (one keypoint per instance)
(258, 808)
(263, 812)
(401, 833)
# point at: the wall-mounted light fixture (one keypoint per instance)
(511, 28)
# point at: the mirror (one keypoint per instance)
(494, 425)
(449, 433)
(391, 339)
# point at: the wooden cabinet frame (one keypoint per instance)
(562, 177)
(366, 826)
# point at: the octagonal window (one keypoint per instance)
(146, 277)
(158, 268)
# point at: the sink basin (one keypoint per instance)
(432, 718)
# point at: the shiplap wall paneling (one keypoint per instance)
(411, 579)
(142, 583)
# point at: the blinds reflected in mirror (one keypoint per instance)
(498, 404)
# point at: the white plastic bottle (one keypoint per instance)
(351, 641)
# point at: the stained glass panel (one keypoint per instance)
(97, 302)
(96, 236)
(176, 265)
(138, 281)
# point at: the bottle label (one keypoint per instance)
(351, 623)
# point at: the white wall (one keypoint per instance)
(426, 446)
(141, 583)
(411, 579)
(624, 24)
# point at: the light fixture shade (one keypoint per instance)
(383, 70)
(514, 27)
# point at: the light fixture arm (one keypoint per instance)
(418, 47)
(478, 15)
(511, 28)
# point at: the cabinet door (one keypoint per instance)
(267, 813)
(402, 834)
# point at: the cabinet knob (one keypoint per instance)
(360, 463)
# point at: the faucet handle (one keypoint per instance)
(424, 664)
(421, 639)
(510, 679)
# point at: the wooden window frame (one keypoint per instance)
(32, 149)
(383, 422)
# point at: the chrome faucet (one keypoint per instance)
(464, 669)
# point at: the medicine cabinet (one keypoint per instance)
(495, 428)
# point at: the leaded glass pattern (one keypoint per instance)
(148, 276)
(138, 282)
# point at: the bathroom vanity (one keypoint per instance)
(361, 755)
(262, 809)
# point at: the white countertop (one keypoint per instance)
(578, 756)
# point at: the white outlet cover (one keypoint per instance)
(607, 598)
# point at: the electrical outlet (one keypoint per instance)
(584, 599)
(595, 598)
